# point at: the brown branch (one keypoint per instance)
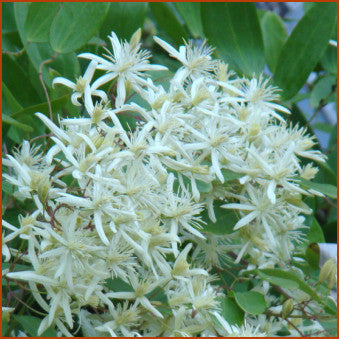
(19, 52)
(43, 84)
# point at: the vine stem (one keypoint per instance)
(295, 327)
(18, 53)
(43, 83)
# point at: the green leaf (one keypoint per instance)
(322, 90)
(331, 306)
(278, 278)
(11, 42)
(326, 189)
(128, 122)
(230, 175)
(304, 48)
(31, 324)
(274, 36)
(330, 327)
(56, 104)
(67, 64)
(315, 233)
(298, 117)
(329, 60)
(323, 126)
(326, 173)
(18, 82)
(39, 19)
(286, 279)
(124, 18)
(118, 285)
(233, 28)
(8, 24)
(6, 119)
(5, 327)
(166, 19)
(190, 12)
(75, 24)
(251, 301)
(226, 219)
(20, 14)
(9, 103)
(312, 255)
(233, 314)
(203, 187)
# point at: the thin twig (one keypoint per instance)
(41, 136)
(43, 84)
(18, 53)
(29, 307)
(295, 327)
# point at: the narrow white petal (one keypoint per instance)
(172, 51)
(90, 71)
(67, 310)
(245, 220)
(99, 228)
(103, 80)
(53, 128)
(67, 153)
(75, 98)
(121, 295)
(239, 207)
(278, 107)
(270, 191)
(63, 81)
(54, 305)
(94, 57)
(31, 276)
(88, 100)
(121, 92)
(145, 302)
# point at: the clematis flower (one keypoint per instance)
(127, 63)
(79, 86)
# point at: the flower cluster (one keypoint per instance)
(118, 225)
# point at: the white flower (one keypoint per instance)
(141, 288)
(81, 84)
(196, 61)
(126, 63)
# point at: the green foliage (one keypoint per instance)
(233, 28)
(38, 21)
(75, 24)
(167, 20)
(226, 219)
(124, 18)
(251, 301)
(304, 47)
(322, 90)
(286, 279)
(326, 189)
(315, 233)
(31, 324)
(274, 36)
(232, 312)
(191, 13)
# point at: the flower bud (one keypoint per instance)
(327, 269)
(287, 307)
(43, 189)
(332, 278)
(135, 39)
(6, 313)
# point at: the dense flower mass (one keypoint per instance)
(118, 226)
